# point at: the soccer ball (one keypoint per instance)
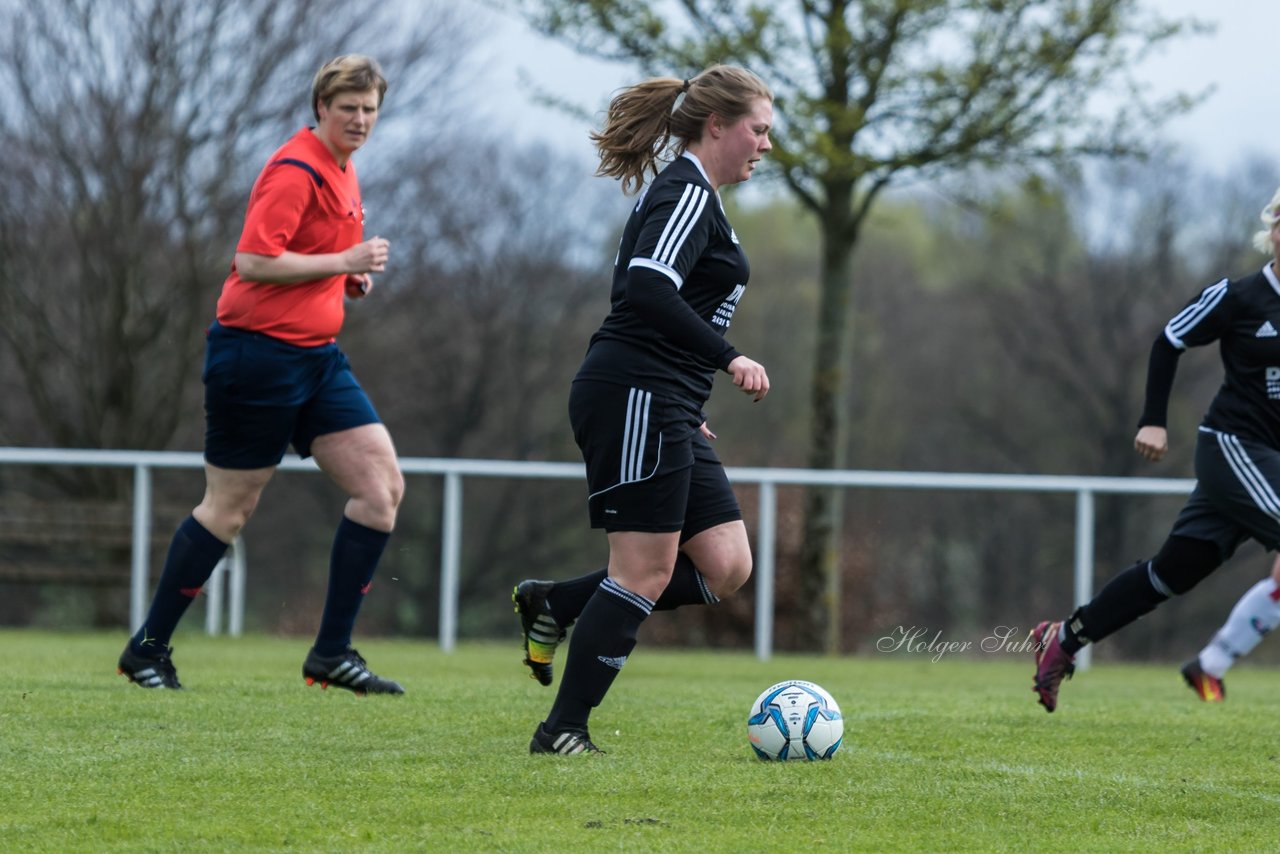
(795, 720)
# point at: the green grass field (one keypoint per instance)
(952, 755)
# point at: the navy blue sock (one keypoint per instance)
(601, 643)
(193, 554)
(352, 562)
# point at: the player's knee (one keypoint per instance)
(731, 583)
(1183, 562)
(379, 498)
(394, 490)
(225, 519)
(729, 574)
(647, 578)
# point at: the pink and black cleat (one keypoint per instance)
(1052, 663)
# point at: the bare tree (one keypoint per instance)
(133, 130)
(472, 339)
(1077, 281)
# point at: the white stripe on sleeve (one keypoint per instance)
(681, 223)
(661, 268)
(1186, 320)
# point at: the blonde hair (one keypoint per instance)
(643, 119)
(1270, 216)
(351, 72)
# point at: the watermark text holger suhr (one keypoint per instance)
(914, 639)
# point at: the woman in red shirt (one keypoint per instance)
(275, 377)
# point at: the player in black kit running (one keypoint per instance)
(1237, 460)
(655, 486)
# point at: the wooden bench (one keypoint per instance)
(83, 542)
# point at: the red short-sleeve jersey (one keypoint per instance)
(302, 202)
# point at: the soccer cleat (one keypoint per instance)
(1052, 663)
(149, 671)
(542, 634)
(1211, 689)
(346, 670)
(564, 743)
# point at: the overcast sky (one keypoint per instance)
(1241, 116)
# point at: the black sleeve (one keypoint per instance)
(656, 301)
(676, 228)
(1204, 319)
(1161, 368)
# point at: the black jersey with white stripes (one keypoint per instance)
(1243, 315)
(677, 280)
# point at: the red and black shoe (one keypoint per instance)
(1052, 663)
(1209, 688)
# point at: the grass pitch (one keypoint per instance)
(952, 755)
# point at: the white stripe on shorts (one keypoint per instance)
(1250, 477)
(634, 435)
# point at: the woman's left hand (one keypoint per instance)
(750, 377)
(706, 431)
(359, 285)
(1152, 442)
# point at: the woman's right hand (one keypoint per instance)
(1152, 442)
(368, 257)
(750, 377)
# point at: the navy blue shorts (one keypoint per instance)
(261, 395)
(649, 468)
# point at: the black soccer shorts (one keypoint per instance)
(649, 468)
(1237, 494)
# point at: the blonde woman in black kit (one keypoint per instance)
(1237, 493)
(1258, 611)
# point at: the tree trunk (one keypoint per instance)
(819, 560)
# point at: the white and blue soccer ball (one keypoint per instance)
(795, 720)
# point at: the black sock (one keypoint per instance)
(567, 599)
(352, 562)
(605, 636)
(687, 587)
(1125, 598)
(193, 555)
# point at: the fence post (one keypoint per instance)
(213, 596)
(765, 550)
(235, 617)
(1084, 561)
(139, 568)
(450, 548)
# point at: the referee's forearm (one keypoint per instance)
(289, 268)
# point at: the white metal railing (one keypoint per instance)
(454, 470)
